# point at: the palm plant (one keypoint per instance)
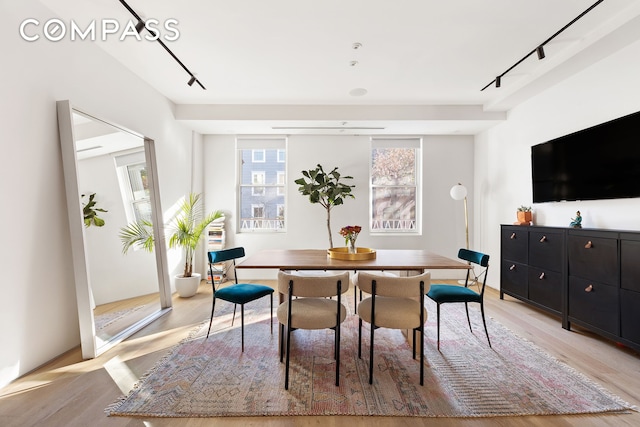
(186, 228)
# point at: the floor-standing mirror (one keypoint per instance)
(111, 181)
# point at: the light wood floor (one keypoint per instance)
(71, 392)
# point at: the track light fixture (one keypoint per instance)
(140, 26)
(540, 49)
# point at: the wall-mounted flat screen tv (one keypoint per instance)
(600, 162)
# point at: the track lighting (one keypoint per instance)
(540, 49)
(140, 26)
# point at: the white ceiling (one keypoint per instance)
(284, 66)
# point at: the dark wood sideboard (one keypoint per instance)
(588, 277)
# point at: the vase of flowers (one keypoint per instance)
(350, 234)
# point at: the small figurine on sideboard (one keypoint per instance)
(577, 221)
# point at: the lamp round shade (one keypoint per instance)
(458, 192)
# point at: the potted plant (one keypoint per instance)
(524, 215)
(326, 189)
(186, 229)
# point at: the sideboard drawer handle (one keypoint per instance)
(589, 245)
(588, 288)
(513, 267)
(544, 239)
(513, 236)
(541, 276)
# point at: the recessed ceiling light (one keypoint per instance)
(359, 91)
(357, 45)
(353, 63)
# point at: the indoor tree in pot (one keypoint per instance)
(326, 189)
(186, 229)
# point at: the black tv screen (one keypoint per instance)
(600, 162)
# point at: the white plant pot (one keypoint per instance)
(187, 286)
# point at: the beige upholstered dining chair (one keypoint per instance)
(312, 308)
(394, 303)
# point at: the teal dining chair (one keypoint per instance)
(238, 293)
(443, 294)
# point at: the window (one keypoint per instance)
(257, 156)
(134, 186)
(395, 178)
(261, 184)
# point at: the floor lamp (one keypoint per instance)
(459, 192)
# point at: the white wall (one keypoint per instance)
(38, 318)
(608, 89)
(447, 160)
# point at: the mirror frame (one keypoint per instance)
(89, 344)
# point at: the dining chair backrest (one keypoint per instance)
(226, 255)
(390, 286)
(474, 257)
(312, 287)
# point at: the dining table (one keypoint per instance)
(319, 259)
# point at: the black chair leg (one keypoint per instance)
(337, 355)
(466, 308)
(213, 306)
(414, 344)
(421, 355)
(359, 338)
(371, 356)
(438, 315)
(485, 324)
(242, 324)
(234, 314)
(286, 375)
(281, 342)
(271, 323)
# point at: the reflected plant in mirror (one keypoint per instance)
(186, 228)
(90, 212)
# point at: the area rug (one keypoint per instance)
(103, 321)
(212, 377)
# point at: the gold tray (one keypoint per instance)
(343, 253)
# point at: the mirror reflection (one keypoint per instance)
(111, 181)
(113, 186)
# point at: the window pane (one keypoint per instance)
(393, 166)
(394, 208)
(261, 190)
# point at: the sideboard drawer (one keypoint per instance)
(595, 303)
(513, 278)
(514, 244)
(545, 288)
(594, 258)
(545, 250)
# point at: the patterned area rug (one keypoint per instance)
(211, 377)
(105, 320)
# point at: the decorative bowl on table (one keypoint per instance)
(359, 255)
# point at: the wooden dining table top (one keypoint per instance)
(318, 259)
